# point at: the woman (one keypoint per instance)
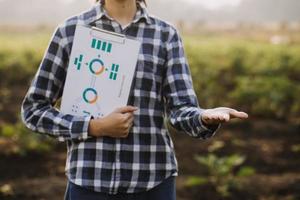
(127, 154)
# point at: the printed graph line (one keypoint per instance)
(93, 82)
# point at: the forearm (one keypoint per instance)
(40, 116)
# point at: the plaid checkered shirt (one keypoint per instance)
(162, 89)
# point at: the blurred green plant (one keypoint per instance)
(296, 148)
(259, 78)
(222, 173)
(23, 140)
(216, 145)
(6, 190)
(254, 76)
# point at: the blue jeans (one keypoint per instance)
(164, 191)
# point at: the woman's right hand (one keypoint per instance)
(117, 124)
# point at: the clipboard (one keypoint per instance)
(100, 72)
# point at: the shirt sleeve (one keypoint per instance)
(38, 112)
(182, 107)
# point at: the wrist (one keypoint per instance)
(95, 128)
(208, 125)
(203, 121)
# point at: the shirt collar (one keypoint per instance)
(142, 13)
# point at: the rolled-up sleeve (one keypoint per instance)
(182, 107)
(38, 112)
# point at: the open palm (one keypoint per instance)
(221, 114)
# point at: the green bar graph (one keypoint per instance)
(94, 43)
(103, 46)
(78, 61)
(109, 47)
(117, 68)
(98, 44)
(115, 76)
(111, 75)
(113, 67)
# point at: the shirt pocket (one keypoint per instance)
(149, 74)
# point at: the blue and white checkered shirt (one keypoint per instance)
(162, 88)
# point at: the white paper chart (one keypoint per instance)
(100, 72)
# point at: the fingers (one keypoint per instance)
(210, 119)
(126, 109)
(128, 116)
(217, 115)
(128, 123)
(127, 128)
(216, 118)
(222, 114)
(226, 117)
(223, 118)
(237, 114)
(232, 112)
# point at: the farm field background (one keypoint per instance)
(253, 69)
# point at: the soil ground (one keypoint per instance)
(269, 146)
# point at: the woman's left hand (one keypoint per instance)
(221, 115)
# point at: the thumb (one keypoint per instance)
(126, 109)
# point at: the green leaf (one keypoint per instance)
(296, 148)
(208, 160)
(216, 145)
(235, 160)
(8, 131)
(195, 181)
(246, 171)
